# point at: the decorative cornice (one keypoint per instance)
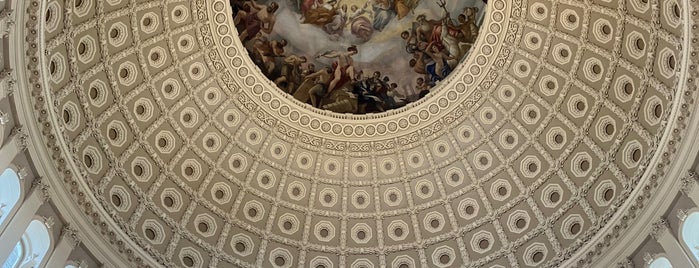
(647, 258)
(49, 221)
(80, 263)
(8, 82)
(20, 137)
(682, 214)
(625, 263)
(4, 118)
(689, 182)
(659, 227)
(39, 185)
(71, 234)
(7, 21)
(22, 173)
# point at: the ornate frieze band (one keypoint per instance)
(451, 98)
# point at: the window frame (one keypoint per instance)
(657, 257)
(692, 216)
(22, 254)
(15, 186)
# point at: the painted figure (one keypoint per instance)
(290, 77)
(383, 13)
(439, 68)
(338, 22)
(319, 86)
(256, 18)
(344, 66)
(320, 13)
(320, 55)
(360, 24)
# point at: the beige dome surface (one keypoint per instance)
(184, 154)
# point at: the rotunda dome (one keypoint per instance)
(183, 150)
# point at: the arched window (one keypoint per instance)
(660, 262)
(32, 248)
(15, 257)
(74, 264)
(9, 193)
(690, 233)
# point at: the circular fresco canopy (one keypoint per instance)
(357, 56)
(170, 119)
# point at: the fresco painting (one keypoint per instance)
(357, 56)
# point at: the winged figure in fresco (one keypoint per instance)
(385, 10)
(437, 34)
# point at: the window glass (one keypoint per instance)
(14, 258)
(690, 233)
(32, 248)
(661, 262)
(9, 193)
(39, 239)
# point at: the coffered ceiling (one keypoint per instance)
(518, 159)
